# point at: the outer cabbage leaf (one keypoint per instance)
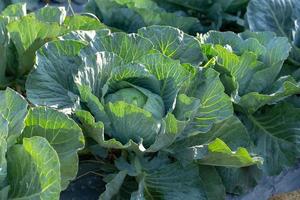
(208, 149)
(114, 186)
(204, 102)
(217, 153)
(45, 86)
(32, 31)
(159, 177)
(281, 89)
(130, 47)
(279, 16)
(231, 131)
(62, 133)
(13, 108)
(33, 170)
(239, 181)
(81, 22)
(275, 134)
(6, 47)
(235, 135)
(15, 10)
(173, 181)
(174, 43)
(3, 149)
(87, 36)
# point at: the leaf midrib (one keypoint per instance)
(256, 123)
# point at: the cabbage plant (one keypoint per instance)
(143, 100)
(38, 151)
(22, 33)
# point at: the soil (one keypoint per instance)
(287, 196)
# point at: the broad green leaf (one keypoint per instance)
(174, 43)
(217, 153)
(240, 43)
(277, 51)
(171, 181)
(86, 36)
(3, 163)
(278, 16)
(6, 50)
(62, 133)
(33, 170)
(275, 133)
(282, 88)
(80, 22)
(4, 127)
(129, 186)
(171, 129)
(32, 31)
(15, 10)
(130, 47)
(51, 14)
(262, 37)
(222, 38)
(231, 131)
(45, 85)
(3, 149)
(239, 181)
(211, 183)
(241, 68)
(4, 192)
(96, 71)
(13, 108)
(186, 107)
(273, 15)
(113, 187)
(207, 105)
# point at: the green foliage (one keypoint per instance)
(144, 94)
(38, 149)
(190, 16)
(22, 34)
(162, 114)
